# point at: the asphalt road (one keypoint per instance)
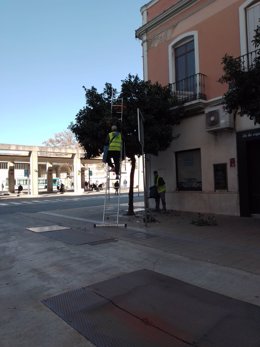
(33, 267)
(59, 202)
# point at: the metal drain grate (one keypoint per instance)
(79, 237)
(139, 235)
(148, 309)
(94, 243)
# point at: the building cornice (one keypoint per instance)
(148, 5)
(173, 10)
(40, 149)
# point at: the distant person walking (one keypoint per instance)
(161, 189)
(62, 188)
(20, 189)
(116, 186)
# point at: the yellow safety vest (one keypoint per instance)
(162, 188)
(115, 141)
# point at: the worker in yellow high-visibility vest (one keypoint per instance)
(161, 189)
(114, 143)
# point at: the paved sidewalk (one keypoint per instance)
(228, 240)
(222, 258)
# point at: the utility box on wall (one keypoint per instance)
(218, 119)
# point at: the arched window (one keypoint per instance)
(183, 66)
(249, 17)
(184, 58)
(252, 20)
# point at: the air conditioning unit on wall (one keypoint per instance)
(218, 119)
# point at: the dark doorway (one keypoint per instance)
(248, 160)
(253, 166)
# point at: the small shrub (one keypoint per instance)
(202, 220)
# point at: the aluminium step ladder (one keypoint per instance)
(111, 209)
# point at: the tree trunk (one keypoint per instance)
(131, 187)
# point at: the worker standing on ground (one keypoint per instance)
(161, 189)
(114, 143)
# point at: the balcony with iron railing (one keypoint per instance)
(189, 89)
(248, 60)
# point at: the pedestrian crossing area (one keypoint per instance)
(40, 201)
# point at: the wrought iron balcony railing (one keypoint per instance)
(190, 88)
(248, 60)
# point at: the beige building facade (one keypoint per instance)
(212, 165)
(41, 168)
(36, 168)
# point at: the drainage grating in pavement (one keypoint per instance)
(148, 309)
(94, 243)
(47, 228)
(80, 237)
(139, 235)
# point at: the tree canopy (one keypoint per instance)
(242, 76)
(62, 139)
(94, 121)
(156, 103)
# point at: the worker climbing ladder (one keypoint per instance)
(111, 209)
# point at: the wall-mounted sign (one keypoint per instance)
(232, 162)
(250, 134)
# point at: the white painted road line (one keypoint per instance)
(71, 217)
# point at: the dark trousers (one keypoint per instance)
(161, 197)
(115, 155)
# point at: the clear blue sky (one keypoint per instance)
(50, 49)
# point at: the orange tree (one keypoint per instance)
(159, 110)
(242, 76)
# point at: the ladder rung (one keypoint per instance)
(119, 106)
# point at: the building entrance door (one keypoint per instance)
(253, 162)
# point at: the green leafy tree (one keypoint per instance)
(93, 122)
(242, 76)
